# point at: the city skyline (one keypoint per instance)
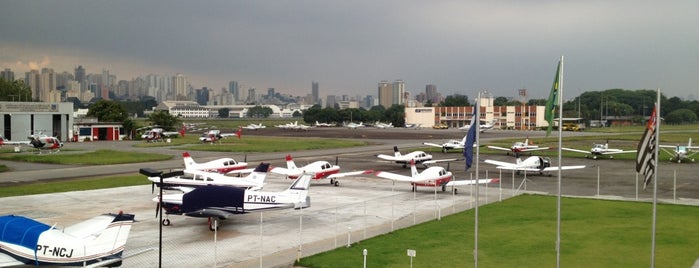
(461, 47)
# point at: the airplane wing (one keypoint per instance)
(470, 182)
(619, 152)
(441, 160)
(562, 168)
(239, 171)
(499, 148)
(351, 173)
(394, 176)
(432, 144)
(576, 150)
(228, 134)
(534, 149)
(667, 146)
(391, 157)
(499, 163)
(285, 171)
(171, 133)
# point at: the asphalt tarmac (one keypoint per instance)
(361, 207)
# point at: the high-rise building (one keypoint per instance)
(7, 75)
(385, 94)
(270, 92)
(47, 84)
(251, 95)
(80, 74)
(33, 80)
(315, 91)
(431, 93)
(398, 92)
(233, 89)
(179, 83)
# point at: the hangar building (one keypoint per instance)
(18, 120)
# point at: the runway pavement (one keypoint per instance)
(361, 207)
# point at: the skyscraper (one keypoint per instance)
(7, 75)
(80, 74)
(431, 93)
(385, 94)
(233, 89)
(315, 92)
(179, 82)
(398, 92)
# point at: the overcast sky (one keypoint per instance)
(349, 46)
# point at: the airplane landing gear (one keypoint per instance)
(334, 182)
(594, 157)
(213, 225)
(166, 222)
(444, 187)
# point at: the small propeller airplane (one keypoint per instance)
(600, 149)
(220, 202)
(533, 164)
(41, 142)
(353, 125)
(430, 177)
(96, 242)
(254, 126)
(318, 169)
(214, 135)
(419, 157)
(680, 152)
(221, 165)
(450, 145)
(380, 125)
(519, 147)
(318, 124)
(189, 179)
(483, 127)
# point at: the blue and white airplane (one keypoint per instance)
(96, 242)
(220, 202)
(680, 152)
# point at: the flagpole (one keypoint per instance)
(655, 176)
(477, 125)
(560, 145)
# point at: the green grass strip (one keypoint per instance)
(521, 232)
(99, 157)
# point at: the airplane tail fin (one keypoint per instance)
(259, 174)
(183, 130)
(300, 189)
(239, 133)
(110, 232)
(290, 162)
(188, 161)
(396, 152)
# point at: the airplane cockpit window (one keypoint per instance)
(199, 178)
(231, 163)
(209, 179)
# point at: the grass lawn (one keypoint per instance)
(521, 232)
(99, 157)
(256, 144)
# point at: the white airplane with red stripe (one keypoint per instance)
(221, 165)
(319, 169)
(430, 177)
(519, 147)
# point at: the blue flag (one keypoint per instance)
(471, 137)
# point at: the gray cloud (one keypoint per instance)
(348, 46)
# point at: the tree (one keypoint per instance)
(680, 116)
(455, 101)
(259, 112)
(107, 111)
(14, 91)
(163, 119)
(500, 101)
(223, 112)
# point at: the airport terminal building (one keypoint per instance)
(18, 120)
(525, 117)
